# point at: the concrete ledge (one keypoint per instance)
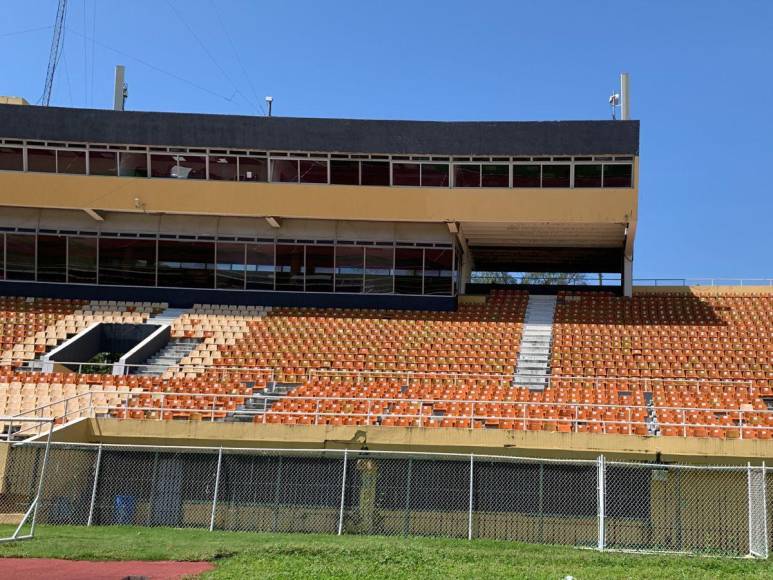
(484, 441)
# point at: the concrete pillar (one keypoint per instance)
(627, 276)
(466, 272)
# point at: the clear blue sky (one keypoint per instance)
(701, 80)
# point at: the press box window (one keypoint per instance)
(11, 159)
(526, 176)
(556, 176)
(618, 175)
(587, 175)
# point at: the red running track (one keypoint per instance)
(42, 568)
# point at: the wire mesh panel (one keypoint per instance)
(287, 492)
(422, 495)
(153, 487)
(19, 486)
(535, 501)
(673, 508)
(65, 496)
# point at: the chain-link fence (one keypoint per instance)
(590, 503)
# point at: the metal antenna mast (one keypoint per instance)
(56, 51)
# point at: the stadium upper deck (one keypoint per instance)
(195, 208)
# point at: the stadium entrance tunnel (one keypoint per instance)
(107, 348)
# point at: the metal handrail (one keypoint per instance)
(523, 406)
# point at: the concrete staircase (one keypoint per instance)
(260, 403)
(169, 356)
(534, 357)
(175, 349)
(167, 316)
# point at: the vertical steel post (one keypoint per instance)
(217, 489)
(469, 515)
(343, 494)
(765, 509)
(97, 466)
(601, 478)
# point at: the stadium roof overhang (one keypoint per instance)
(545, 247)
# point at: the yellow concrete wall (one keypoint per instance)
(614, 205)
(482, 441)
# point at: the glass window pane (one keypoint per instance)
(406, 174)
(349, 269)
(344, 172)
(127, 262)
(230, 265)
(289, 267)
(409, 269)
(495, 176)
(186, 264)
(434, 175)
(19, 257)
(72, 162)
(190, 167)
(438, 271)
(319, 268)
(103, 163)
(260, 266)
(526, 176)
(222, 168)
(556, 175)
(253, 169)
(11, 159)
(163, 165)
(466, 175)
(313, 171)
(618, 175)
(132, 165)
(587, 175)
(52, 259)
(284, 170)
(82, 260)
(43, 160)
(375, 172)
(378, 270)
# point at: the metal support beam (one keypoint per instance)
(343, 494)
(97, 466)
(217, 489)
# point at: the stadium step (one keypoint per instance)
(168, 316)
(260, 403)
(170, 355)
(533, 363)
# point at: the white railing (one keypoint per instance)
(561, 416)
(615, 280)
(665, 281)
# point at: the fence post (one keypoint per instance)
(343, 494)
(94, 487)
(469, 515)
(217, 489)
(601, 479)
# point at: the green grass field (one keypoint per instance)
(241, 555)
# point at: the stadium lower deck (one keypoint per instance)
(682, 364)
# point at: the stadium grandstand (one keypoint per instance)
(292, 283)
